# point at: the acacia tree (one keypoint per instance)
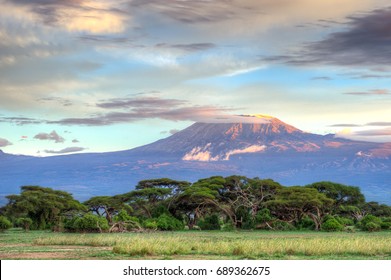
(107, 206)
(148, 194)
(44, 206)
(293, 203)
(197, 199)
(341, 194)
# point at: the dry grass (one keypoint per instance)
(243, 244)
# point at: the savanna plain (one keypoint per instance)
(269, 245)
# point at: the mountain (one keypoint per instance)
(262, 147)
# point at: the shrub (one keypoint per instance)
(332, 224)
(167, 222)
(122, 216)
(87, 223)
(4, 223)
(370, 223)
(306, 224)
(228, 226)
(25, 223)
(210, 222)
(371, 226)
(385, 225)
(282, 225)
(345, 221)
(263, 216)
(150, 224)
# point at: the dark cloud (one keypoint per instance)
(105, 39)
(345, 125)
(379, 124)
(20, 120)
(132, 109)
(66, 150)
(52, 136)
(75, 141)
(365, 41)
(370, 76)
(370, 92)
(4, 142)
(361, 125)
(196, 113)
(195, 47)
(122, 103)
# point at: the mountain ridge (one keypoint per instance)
(266, 148)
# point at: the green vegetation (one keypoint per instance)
(18, 244)
(231, 217)
(4, 223)
(215, 203)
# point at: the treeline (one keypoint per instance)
(215, 203)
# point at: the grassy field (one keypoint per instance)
(16, 244)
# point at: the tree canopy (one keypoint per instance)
(210, 203)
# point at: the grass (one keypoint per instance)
(196, 245)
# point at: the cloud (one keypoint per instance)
(364, 42)
(78, 15)
(63, 101)
(4, 142)
(374, 132)
(65, 150)
(132, 109)
(321, 78)
(379, 124)
(370, 135)
(250, 149)
(20, 120)
(142, 107)
(144, 102)
(345, 125)
(75, 141)
(52, 136)
(370, 92)
(194, 47)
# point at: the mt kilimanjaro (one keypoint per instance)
(262, 147)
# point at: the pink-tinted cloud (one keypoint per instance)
(4, 142)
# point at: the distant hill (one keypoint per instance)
(263, 147)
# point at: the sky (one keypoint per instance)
(108, 75)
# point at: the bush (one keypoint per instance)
(210, 222)
(371, 226)
(345, 221)
(385, 225)
(25, 223)
(282, 225)
(263, 216)
(4, 223)
(167, 222)
(87, 223)
(306, 223)
(228, 226)
(332, 224)
(370, 223)
(150, 224)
